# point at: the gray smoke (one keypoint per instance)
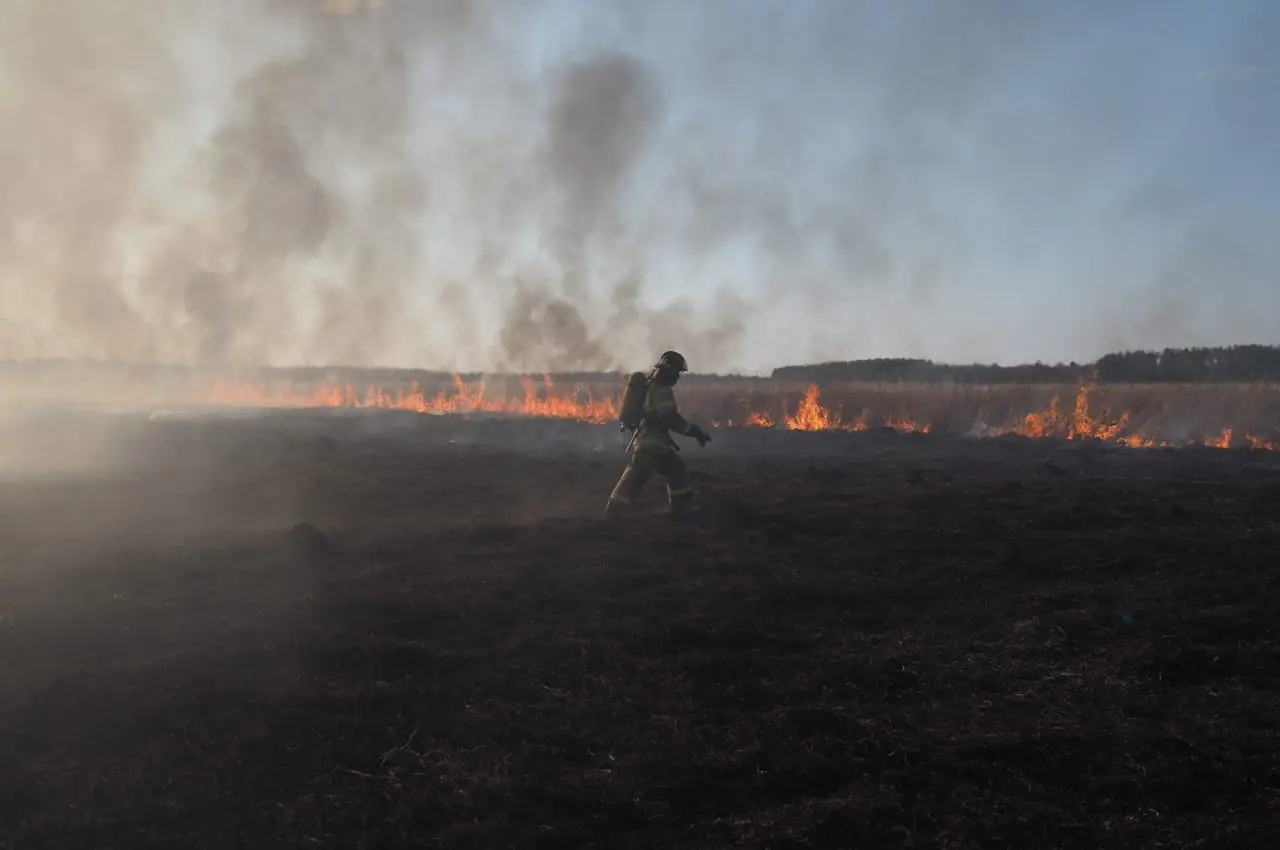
(548, 184)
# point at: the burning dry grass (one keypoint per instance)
(1139, 415)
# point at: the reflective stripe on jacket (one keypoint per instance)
(662, 416)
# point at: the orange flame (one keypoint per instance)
(1259, 443)
(546, 400)
(813, 415)
(1080, 425)
(583, 407)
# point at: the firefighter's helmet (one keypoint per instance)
(671, 361)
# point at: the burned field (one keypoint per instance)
(381, 629)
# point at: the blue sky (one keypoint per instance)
(583, 183)
(1047, 182)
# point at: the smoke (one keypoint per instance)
(548, 185)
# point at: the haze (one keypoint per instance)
(579, 184)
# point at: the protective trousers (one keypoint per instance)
(644, 462)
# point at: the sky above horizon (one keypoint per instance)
(581, 184)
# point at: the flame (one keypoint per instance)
(906, 423)
(1083, 425)
(1259, 443)
(813, 415)
(545, 402)
(1080, 425)
(545, 399)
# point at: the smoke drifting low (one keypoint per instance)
(553, 185)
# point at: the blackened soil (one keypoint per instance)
(251, 637)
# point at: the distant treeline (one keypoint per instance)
(1237, 363)
(926, 371)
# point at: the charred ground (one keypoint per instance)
(385, 630)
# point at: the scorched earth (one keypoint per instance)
(378, 629)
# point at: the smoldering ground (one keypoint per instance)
(554, 185)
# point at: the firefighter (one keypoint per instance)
(652, 449)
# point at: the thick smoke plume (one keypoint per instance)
(263, 181)
(551, 185)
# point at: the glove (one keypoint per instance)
(698, 434)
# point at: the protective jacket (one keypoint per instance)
(661, 417)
